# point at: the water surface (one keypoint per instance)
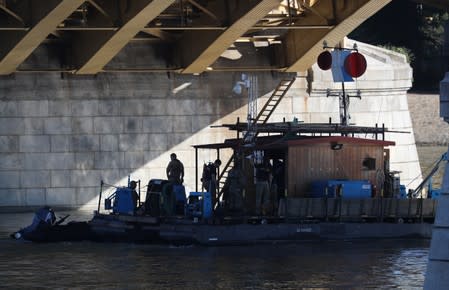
(374, 264)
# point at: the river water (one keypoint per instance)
(373, 264)
(366, 264)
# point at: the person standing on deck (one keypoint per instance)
(175, 170)
(277, 183)
(175, 176)
(263, 172)
(209, 178)
(233, 189)
(134, 195)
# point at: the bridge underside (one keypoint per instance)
(185, 36)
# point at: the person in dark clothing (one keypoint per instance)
(278, 182)
(175, 176)
(209, 178)
(263, 173)
(233, 189)
(175, 170)
(209, 175)
(135, 196)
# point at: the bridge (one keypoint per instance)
(71, 114)
(189, 36)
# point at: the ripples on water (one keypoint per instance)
(386, 264)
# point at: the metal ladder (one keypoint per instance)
(274, 100)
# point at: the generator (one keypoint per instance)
(154, 202)
(180, 198)
(153, 197)
(199, 205)
(121, 201)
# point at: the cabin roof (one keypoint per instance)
(340, 139)
(283, 134)
(284, 141)
(310, 128)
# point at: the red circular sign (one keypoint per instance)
(325, 60)
(355, 64)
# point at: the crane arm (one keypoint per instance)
(418, 189)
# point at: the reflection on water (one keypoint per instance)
(376, 264)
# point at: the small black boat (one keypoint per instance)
(46, 228)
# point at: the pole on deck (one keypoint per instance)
(99, 198)
(196, 169)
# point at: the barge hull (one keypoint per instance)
(110, 228)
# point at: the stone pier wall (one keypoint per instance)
(429, 127)
(61, 135)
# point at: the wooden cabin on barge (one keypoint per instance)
(321, 165)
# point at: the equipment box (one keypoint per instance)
(341, 188)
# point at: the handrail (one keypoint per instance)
(223, 172)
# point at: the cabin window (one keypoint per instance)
(369, 163)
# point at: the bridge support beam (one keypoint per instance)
(199, 55)
(437, 276)
(345, 17)
(21, 44)
(101, 49)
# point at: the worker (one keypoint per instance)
(277, 183)
(175, 170)
(233, 189)
(134, 195)
(209, 178)
(263, 172)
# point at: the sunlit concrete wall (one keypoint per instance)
(60, 135)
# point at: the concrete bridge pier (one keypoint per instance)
(437, 276)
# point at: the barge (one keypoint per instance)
(335, 185)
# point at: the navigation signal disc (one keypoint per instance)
(355, 64)
(325, 60)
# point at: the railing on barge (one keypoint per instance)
(359, 210)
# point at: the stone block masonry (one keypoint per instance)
(58, 140)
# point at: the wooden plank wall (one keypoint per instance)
(309, 163)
